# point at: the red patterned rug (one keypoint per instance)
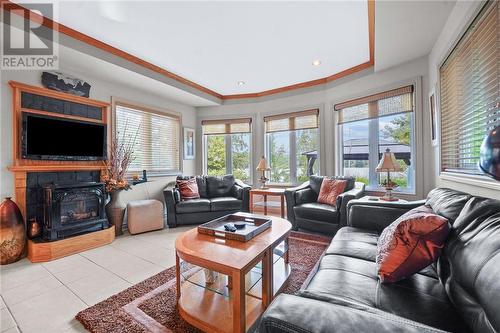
(150, 306)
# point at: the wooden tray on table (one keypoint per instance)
(255, 224)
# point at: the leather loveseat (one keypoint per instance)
(459, 293)
(304, 212)
(219, 196)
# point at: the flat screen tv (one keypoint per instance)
(54, 138)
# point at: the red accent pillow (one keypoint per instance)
(411, 243)
(188, 189)
(330, 190)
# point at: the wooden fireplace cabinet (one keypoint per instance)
(65, 106)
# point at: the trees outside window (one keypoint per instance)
(291, 141)
(227, 148)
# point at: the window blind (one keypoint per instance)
(157, 137)
(470, 92)
(292, 121)
(378, 105)
(227, 126)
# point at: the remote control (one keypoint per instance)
(230, 227)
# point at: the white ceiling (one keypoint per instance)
(76, 63)
(265, 44)
(406, 30)
(216, 44)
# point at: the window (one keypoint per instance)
(369, 126)
(156, 135)
(470, 92)
(292, 146)
(227, 147)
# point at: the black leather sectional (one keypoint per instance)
(219, 196)
(304, 212)
(459, 293)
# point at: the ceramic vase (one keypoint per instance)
(12, 232)
(115, 211)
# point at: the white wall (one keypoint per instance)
(101, 90)
(324, 99)
(460, 18)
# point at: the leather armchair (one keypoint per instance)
(304, 212)
(219, 196)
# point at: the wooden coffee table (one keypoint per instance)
(250, 274)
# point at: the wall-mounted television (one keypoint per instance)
(55, 138)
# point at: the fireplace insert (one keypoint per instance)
(73, 209)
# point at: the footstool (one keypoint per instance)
(144, 215)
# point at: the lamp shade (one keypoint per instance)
(388, 162)
(262, 166)
(489, 161)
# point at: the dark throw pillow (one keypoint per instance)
(188, 188)
(411, 243)
(330, 190)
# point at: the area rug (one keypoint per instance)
(150, 306)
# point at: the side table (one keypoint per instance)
(265, 192)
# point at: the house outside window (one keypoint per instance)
(370, 125)
(292, 145)
(156, 135)
(227, 147)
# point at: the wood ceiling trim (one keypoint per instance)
(61, 28)
(9, 5)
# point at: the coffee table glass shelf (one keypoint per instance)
(207, 294)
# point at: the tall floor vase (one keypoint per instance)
(12, 232)
(115, 211)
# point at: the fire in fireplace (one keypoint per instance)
(73, 209)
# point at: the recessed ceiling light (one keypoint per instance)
(240, 83)
(316, 62)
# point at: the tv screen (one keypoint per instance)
(52, 138)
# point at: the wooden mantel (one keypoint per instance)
(20, 167)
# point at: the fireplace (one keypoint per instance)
(73, 209)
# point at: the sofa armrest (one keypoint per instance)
(242, 192)
(377, 215)
(290, 313)
(172, 196)
(342, 200)
(295, 196)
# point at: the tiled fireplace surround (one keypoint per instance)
(35, 197)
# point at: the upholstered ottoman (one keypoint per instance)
(144, 215)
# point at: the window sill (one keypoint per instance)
(474, 180)
(151, 174)
(381, 190)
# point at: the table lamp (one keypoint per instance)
(388, 163)
(262, 167)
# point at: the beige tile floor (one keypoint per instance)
(44, 298)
